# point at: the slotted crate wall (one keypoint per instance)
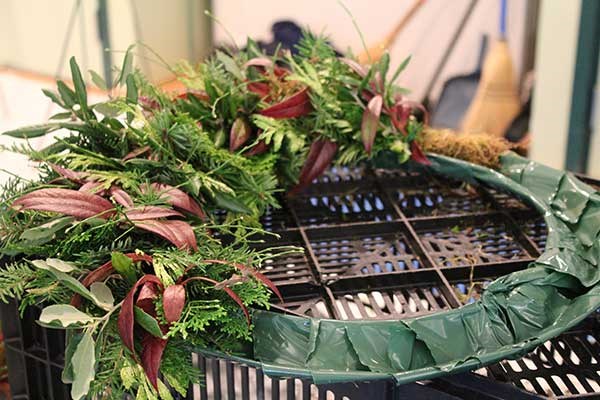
(383, 244)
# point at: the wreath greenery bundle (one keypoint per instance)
(137, 237)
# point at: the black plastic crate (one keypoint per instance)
(378, 245)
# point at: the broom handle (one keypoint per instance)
(393, 35)
(503, 6)
(450, 48)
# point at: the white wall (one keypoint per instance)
(32, 33)
(425, 37)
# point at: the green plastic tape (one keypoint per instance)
(515, 313)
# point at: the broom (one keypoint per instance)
(496, 102)
(374, 53)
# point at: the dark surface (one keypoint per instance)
(379, 245)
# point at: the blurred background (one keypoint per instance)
(523, 69)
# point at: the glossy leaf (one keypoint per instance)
(44, 233)
(124, 266)
(230, 65)
(72, 339)
(98, 80)
(370, 121)
(83, 363)
(173, 302)
(68, 173)
(65, 201)
(239, 134)
(63, 316)
(103, 294)
(262, 89)
(150, 212)
(63, 266)
(259, 148)
(179, 233)
(294, 106)
(231, 203)
(126, 319)
(121, 196)
(417, 154)
(146, 321)
(179, 199)
(79, 84)
(320, 155)
(355, 66)
(152, 351)
(32, 131)
(146, 298)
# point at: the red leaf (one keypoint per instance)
(259, 62)
(137, 152)
(399, 115)
(179, 199)
(152, 351)
(149, 103)
(370, 120)
(355, 66)
(173, 302)
(414, 104)
(65, 201)
(259, 148)
(199, 94)
(227, 290)
(260, 88)
(150, 212)
(296, 105)
(417, 154)
(121, 196)
(68, 173)
(320, 155)
(240, 133)
(92, 187)
(239, 301)
(179, 233)
(103, 272)
(264, 63)
(145, 300)
(248, 270)
(126, 318)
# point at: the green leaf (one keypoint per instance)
(61, 265)
(79, 83)
(163, 391)
(230, 65)
(231, 203)
(83, 362)
(147, 322)
(73, 338)
(98, 80)
(70, 282)
(127, 66)
(103, 295)
(108, 109)
(400, 68)
(124, 266)
(67, 94)
(132, 90)
(32, 131)
(62, 115)
(54, 97)
(63, 316)
(384, 65)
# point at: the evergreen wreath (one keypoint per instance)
(138, 236)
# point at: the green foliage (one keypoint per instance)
(148, 138)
